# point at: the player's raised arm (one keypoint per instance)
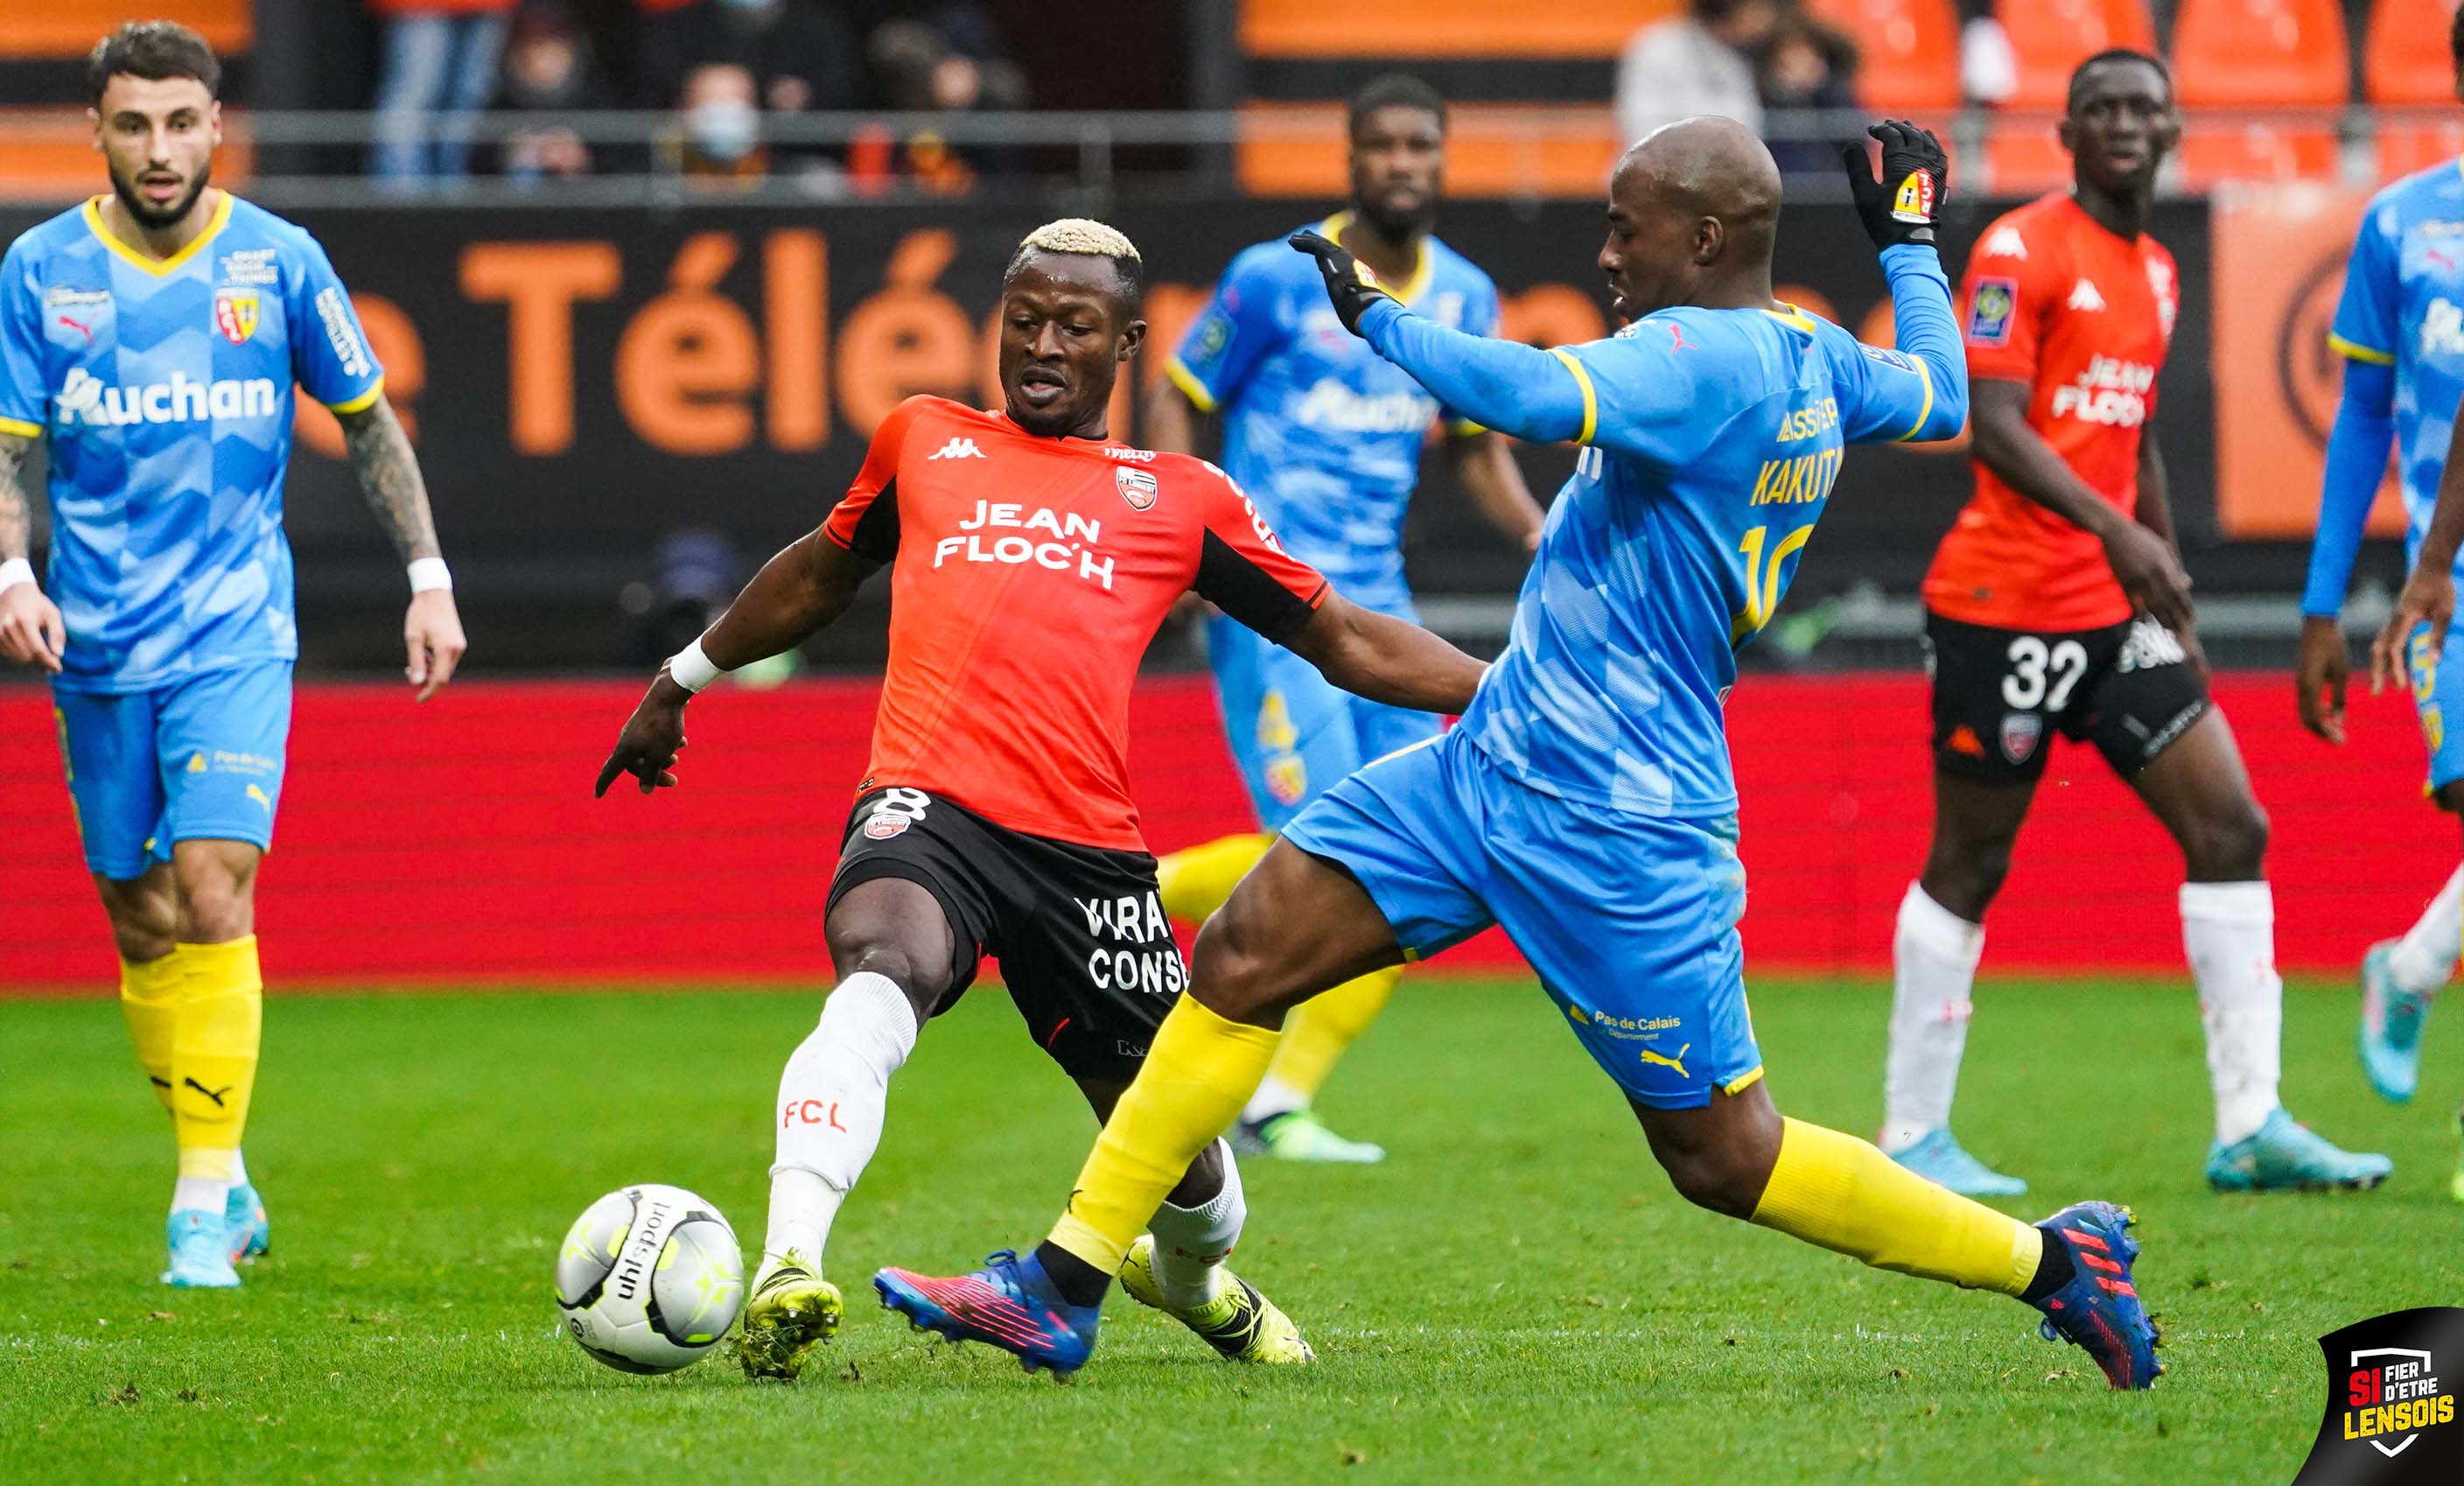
(2427, 600)
(1917, 393)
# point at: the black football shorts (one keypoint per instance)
(2128, 688)
(1080, 931)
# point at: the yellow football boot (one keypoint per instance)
(791, 1311)
(1239, 1322)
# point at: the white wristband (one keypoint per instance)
(14, 571)
(428, 574)
(691, 669)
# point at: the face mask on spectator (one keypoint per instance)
(723, 128)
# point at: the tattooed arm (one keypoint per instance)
(30, 631)
(389, 475)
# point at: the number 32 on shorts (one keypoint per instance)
(2041, 675)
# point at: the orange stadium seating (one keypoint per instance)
(1910, 50)
(49, 151)
(2406, 65)
(2286, 59)
(2048, 39)
(1443, 28)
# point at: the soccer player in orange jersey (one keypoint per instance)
(2057, 603)
(1031, 560)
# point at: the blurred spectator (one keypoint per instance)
(802, 53)
(549, 71)
(1805, 65)
(718, 140)
(921, 71)
(437, 65)
(1700, 62)
(1989, 68)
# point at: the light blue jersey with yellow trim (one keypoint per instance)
(2403, 306)
(164, 393)
(1714, 437)
(1322, 433)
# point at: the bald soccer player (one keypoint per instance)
(1585, 804)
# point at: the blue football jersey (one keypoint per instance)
(2403, 306)
(164, 393)
(1714, 437)
(1323, 433)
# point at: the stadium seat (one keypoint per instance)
(2408, 73)
(2259, 81)
(68, 28)
(1910, 50)
(1493, 149)
(2050, 37)
(1443, 28)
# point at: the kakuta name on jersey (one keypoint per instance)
(1801, 480)
(1058, 555)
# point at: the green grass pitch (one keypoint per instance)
(1515, 1295)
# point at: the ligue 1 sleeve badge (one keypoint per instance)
(2390, 1416)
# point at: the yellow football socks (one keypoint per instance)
(1196, 881)
(1316, 1032)
(213, 1054)
(1843, 1193)
(151, 992)
(1200, 1069)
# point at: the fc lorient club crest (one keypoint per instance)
(2390, 1416)
(1137, 487)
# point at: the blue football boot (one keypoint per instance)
(2286, 1156)
(2099, 1309)
(2391, 1031)
(1938, 1158)
(1009, 1303)
(200, 1258)
(244, 1224)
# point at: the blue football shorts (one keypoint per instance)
(199, 758)
(1630, 919)
(1293, 733)
(2437, 690)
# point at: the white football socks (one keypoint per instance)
(2426, 955)
(1933, 967)
(200, 1194)
(1273, 1098)
(1191, 1243)
(2228, 932)
(831, 1102)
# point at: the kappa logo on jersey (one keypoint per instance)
(2020, 733)
(896, 810)
(2111, 391)
(235, 312)
(1137, 487)
(2442, 329)
(2003, 242)
(1992, 309)
(83, 399)
(955, 449)
(1914, 201)
(2148, 646)
(2085, 297)
(1070, 538)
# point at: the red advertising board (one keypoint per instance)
(458, 843)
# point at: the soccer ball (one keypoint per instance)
(649, 1278)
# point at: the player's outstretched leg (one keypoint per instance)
(890, 940)
(1737, 1155)
(2399, 977)
(2200, 791)
(1179, 1269)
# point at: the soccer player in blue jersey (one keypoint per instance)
(149, 340)
(2400, 330)
(1326, 437)
(1586, 803)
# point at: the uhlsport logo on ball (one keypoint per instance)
(649, 1278)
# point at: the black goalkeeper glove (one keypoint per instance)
(1349, 282)
(1903, 206)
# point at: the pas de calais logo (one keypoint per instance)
(2390, 1416)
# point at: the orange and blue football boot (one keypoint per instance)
(2099, 1309)
(1009, 1303)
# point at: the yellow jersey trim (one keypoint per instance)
(1464, 428)
(1795, 319)
(2353, 350)
(1742, 1081)
(1590, 398)
(361, 403)
(21, 429)
(158, 267)
(1925, 409)
(1190, 386)
(1331, 229)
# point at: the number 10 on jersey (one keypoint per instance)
(1762, 577)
